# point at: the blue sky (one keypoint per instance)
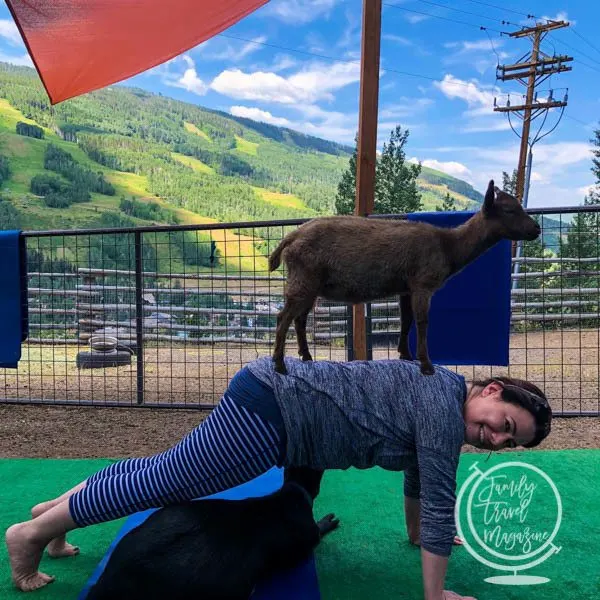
(448, 107)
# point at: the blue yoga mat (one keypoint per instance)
(13, 298)
(469, 319)
(300, 583)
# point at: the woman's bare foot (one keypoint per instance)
(58, 547)
(25, 556)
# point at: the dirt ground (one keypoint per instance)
(564, 364)
(91, 432)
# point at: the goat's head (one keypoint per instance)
(511, 221)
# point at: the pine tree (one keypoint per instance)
(532, 249)
(509, 182)
(583, 241)
(396, 188)
(345, 199)
(448, 205)
(396, 181)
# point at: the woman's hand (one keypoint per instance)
(452, 596)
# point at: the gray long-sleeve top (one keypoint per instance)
(377, 413)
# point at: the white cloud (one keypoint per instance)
(406, 107)
(397, 39)
(313, 83)
(479, 116)
(296, 12)
(477, 54)
(561, 16)
(192, 83)
(352, 33)
(537, 177)
(475, 96)
(486, 126)
(453, 168)
(256, 114)
(22, 61)
(10, 32)
(586, 190)
(283, 63)
(414, 19)
(189, 81)
(559, 168)
(235, 52)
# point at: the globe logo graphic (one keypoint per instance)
(508, 518)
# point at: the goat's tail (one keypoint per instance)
(275, 258)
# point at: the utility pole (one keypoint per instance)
(367, 142)
(531, 71)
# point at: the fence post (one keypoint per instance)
(369, 327)
(139, 316)
(350, 333)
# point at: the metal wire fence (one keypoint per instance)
(165, 316)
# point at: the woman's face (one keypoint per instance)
(493, 424)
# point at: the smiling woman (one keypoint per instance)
(502, 416)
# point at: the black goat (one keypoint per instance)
(216, 549)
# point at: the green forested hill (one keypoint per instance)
(123, 156)
(192, 160)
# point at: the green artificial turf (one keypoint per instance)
(368, 557)
(25, 482)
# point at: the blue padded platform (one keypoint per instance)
(300, 583)
(13, 297)
(469, 319)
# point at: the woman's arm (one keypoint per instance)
(412, 514)
(434, 574)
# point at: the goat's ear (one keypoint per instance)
(490, 196)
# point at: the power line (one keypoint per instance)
(466, 12)
(576, 120)
(418, 12)
(588, 66)
(585, 40)
(334, 59)
(575, 49)
(532, 16)
(504, 8)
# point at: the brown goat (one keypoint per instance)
(353, 260)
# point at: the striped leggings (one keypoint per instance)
(232, 446)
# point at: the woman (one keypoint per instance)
(324, 415)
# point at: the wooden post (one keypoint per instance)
(367, 141)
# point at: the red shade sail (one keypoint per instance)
(83, 45)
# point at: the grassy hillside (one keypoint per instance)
(172, 162)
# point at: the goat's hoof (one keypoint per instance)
(328, 523)
(427, 369)
(306, 357)
(408, 357)
(280, 366)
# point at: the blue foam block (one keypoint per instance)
(13, 298)
(469, 319)
(300, 583)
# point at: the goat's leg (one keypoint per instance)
(420, 306)
(406, 321)
(300, 326)
(293, 310)
(284, 320)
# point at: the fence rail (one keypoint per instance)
(185, 322)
